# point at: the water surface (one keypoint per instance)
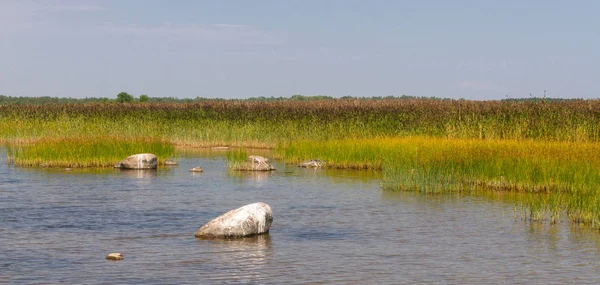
(330, 227)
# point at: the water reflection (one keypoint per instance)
(250, 253)
(217, 153)
(257, 176)
(248, 247)
(139, 173)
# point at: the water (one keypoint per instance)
(330, 227)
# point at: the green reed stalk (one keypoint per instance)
(85, 152)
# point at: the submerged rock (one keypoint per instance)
(138, 161)
(252, 219)
(220, 148)
(196, 169)
(255, 163)
(315, 163)
(115, 256)
(171, 163)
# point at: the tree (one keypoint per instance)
(144, 98)
(124, 97)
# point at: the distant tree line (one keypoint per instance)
(124, 98)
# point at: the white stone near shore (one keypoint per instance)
(139, 161)
(196, 169)
(220, 148)
(115, 256)
(255, 163)
(315, 163)
(245, 221)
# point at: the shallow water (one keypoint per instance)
(330, 227)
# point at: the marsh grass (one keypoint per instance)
(236, 157)
(559, 176)
(84, 152)
(265, 123)
(548, 149)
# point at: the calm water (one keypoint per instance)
(330, 227)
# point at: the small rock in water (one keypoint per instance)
(68, 169)
(252, 219)
(115, 256)
(315, 163)
(255, 163)
(139, 161)
(196, 169)
(171, 163)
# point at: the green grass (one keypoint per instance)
(560, 176)
(265, 124)
(547, 150)
(85, 152)
(236, 157)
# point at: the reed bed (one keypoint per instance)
(546, 149)
(267, 123)
(560, 176)
(84, 152)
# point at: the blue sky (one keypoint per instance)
(237, 49)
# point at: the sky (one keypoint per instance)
(481, 50)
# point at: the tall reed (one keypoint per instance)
(267, 123)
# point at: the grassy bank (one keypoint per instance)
(84, 152)
(563, 176)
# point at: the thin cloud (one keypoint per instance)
(217, 33)
(78, 8)
(20, 16)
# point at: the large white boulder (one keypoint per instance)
(139, 161)
(252, 219)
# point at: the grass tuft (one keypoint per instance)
(84, 152)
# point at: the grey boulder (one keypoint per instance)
(249, 220)
(138, 161)
(255, 163)
(196, 169)
(315, 163)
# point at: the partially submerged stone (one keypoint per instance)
(255, 163)
(196, 169)
(220, 148)
(115, 256)
(139, 161)
(171, 163)
(315, 163)
(252, 219)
